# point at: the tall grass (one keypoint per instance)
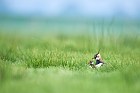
(57, 63)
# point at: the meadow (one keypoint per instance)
(56, 62)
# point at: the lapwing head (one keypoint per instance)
(97, 56)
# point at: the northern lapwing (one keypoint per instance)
(99, 62)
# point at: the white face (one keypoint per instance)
(98, 57)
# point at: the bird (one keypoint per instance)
(99, 62)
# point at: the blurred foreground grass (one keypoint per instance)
(57, 63)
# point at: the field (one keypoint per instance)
(56, 62)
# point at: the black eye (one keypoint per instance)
(95, 56)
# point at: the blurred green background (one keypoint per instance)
(45, 46)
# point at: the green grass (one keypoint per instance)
(57, 63)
